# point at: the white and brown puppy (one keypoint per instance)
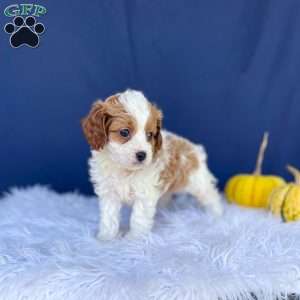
(135, 162)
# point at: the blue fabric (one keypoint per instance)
(222, 71)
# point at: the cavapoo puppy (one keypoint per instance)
(133, 161)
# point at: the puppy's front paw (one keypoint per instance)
(106, 236)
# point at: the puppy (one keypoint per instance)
(133, 161)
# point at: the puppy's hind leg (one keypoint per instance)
(202, 186)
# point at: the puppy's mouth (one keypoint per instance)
(138, 164)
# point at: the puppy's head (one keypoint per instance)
(127, 126)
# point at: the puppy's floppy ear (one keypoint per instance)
(94, 126)
(158, 136)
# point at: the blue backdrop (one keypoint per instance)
(222, 71)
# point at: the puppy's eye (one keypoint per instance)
(124, 132)
(149, 135)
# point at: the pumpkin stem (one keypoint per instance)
(261, 154)
(295, 172)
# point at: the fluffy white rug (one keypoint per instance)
(48, 251)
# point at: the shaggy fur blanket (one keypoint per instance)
(48, 251)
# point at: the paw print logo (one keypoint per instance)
(24, 32)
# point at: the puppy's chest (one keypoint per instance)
(130, 186)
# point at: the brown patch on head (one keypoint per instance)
(181, 162)
(153, 128)
(104, 122)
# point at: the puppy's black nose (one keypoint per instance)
(141, 155)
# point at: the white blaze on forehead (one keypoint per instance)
(137, 105)
(138, 108)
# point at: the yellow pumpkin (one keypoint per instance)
(253, 190)
(285, 200)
